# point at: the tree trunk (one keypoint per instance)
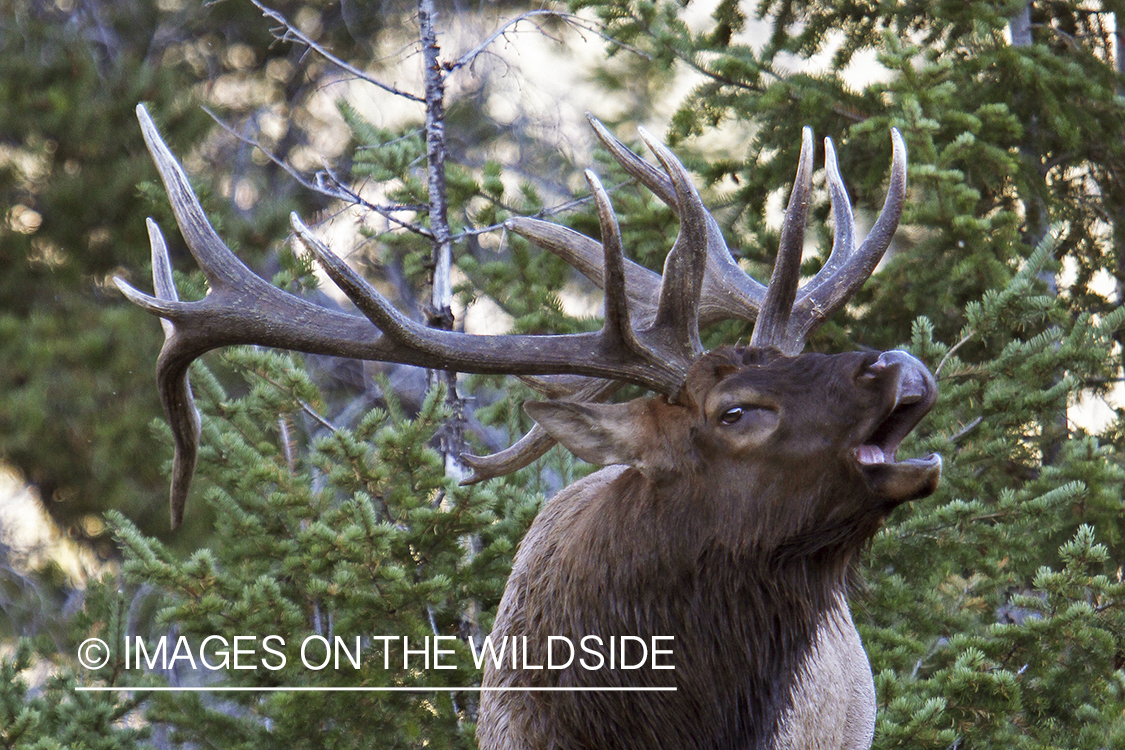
(1054, 426)
(440, 313)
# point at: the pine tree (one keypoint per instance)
(75, 395)
(331, 531)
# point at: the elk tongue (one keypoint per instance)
(870, 454)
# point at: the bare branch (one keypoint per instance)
(451, 440)
(964, 340)
(442, 259)
(338, 190)
(569, 19)
(292, 33)
(972, 425)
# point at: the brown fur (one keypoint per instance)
(734, 539)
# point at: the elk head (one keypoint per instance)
(816, 436)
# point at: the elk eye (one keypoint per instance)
(730, 416)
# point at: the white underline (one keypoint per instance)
(376, 689)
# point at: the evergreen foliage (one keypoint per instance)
(993, 612)
(75, 387)
(74, 384)
(351, 532)
(978, 630)
(53, 714)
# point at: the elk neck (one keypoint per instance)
(747, 617)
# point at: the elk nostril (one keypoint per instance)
(873, 369)
(886, 359)
(898, 357)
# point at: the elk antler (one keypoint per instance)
(650, 336)
(728, 293)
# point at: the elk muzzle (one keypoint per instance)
(911, 392)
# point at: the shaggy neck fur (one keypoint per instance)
(746, 617)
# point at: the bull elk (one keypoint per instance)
(733, 504)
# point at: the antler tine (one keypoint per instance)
(639, 285)
(652, 178)
(682, 281)
(835, 284)
(172, 377)
(587, 256)
(843, 243)
(210, 252)
(373, 305)
(771, 329)
(163, 283)
(619, 331)
(536, 442)
(555, 387)
(531, 447)
(727, 291)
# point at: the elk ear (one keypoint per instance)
(601, 434)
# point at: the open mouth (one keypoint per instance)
(915, 395)
(882, 446)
